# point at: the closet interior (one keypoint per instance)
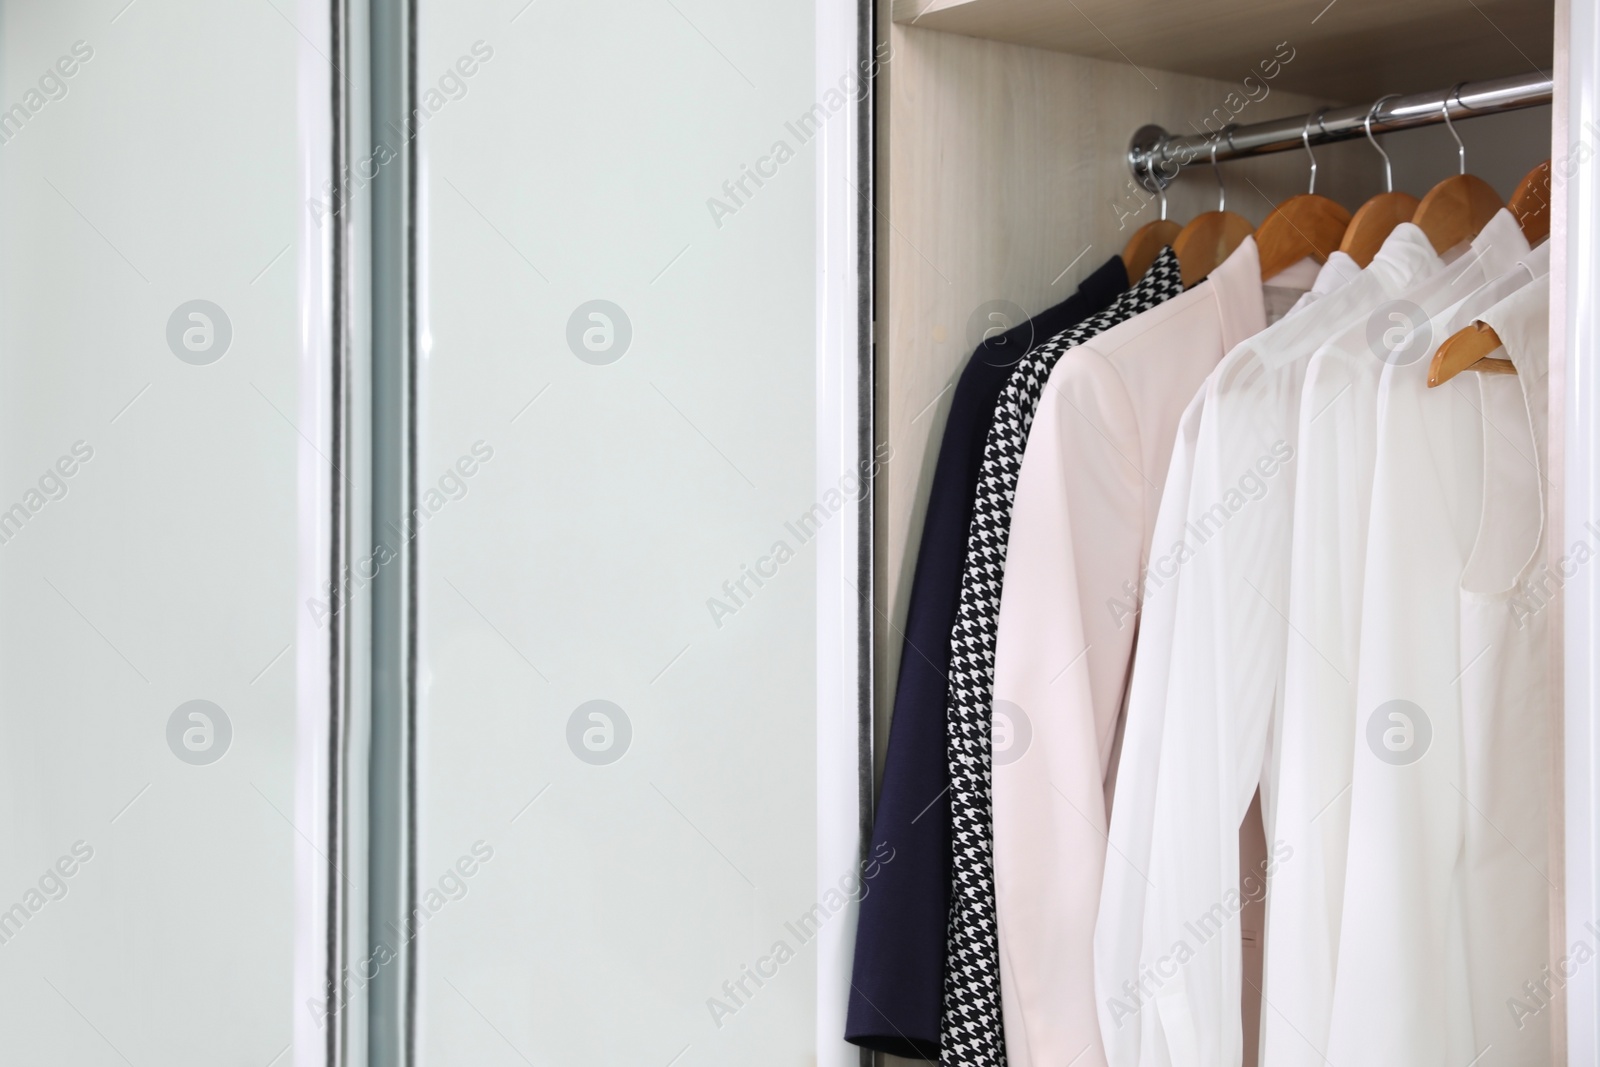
(1004, 129)
(1021, 145)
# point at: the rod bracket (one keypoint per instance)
(1147, 141)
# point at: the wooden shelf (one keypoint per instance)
(1349, 50)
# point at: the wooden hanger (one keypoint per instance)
(1372, 224)
(1211, 236)
(1145, 245)
(1531, 204)
(1470, 348)
(1148, 240)
(1377, 218)
(1458, 208)
(1301, 226)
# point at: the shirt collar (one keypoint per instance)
(1500, 244)
(1538, 260)
(1522, 321)
(1236, 287)
(1406, 255)
(1339, 270)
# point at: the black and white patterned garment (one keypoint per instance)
(972, 1034)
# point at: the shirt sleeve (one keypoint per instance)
(1119, 927)
(1226, 667)
(1332, 501)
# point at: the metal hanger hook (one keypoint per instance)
(1305, 139)
(1152, 172)
(1388, 168)
(1222, 190)
(1444, 106)
(1149, 180)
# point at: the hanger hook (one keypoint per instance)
(1305, 139)
(1444, 106)
(1152, 172)
(1388, 168)
(1152, 181)
(1222, 190)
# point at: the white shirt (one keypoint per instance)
(1446, 891)
(1119, 926)
(1508, 698)
(1227, 664)
(1337, 442)
(1340, 269)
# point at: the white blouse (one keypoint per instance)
(1119, 926)
(1446, 887)
(1226, 668)
(1337, 445)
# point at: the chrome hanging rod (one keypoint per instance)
(1154, 152)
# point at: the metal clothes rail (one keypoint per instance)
(1156, 156)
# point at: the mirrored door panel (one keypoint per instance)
(623, 519)
(153, 420)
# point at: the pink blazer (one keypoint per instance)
(1085, 507)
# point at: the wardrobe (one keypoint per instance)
(1006, 137)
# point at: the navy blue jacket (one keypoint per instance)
(897, 988)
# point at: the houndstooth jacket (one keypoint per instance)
(972, 1029)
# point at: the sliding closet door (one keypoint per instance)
(163, 404)
(638, 502)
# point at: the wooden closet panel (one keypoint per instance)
(1002, 179)
(1353, 47)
